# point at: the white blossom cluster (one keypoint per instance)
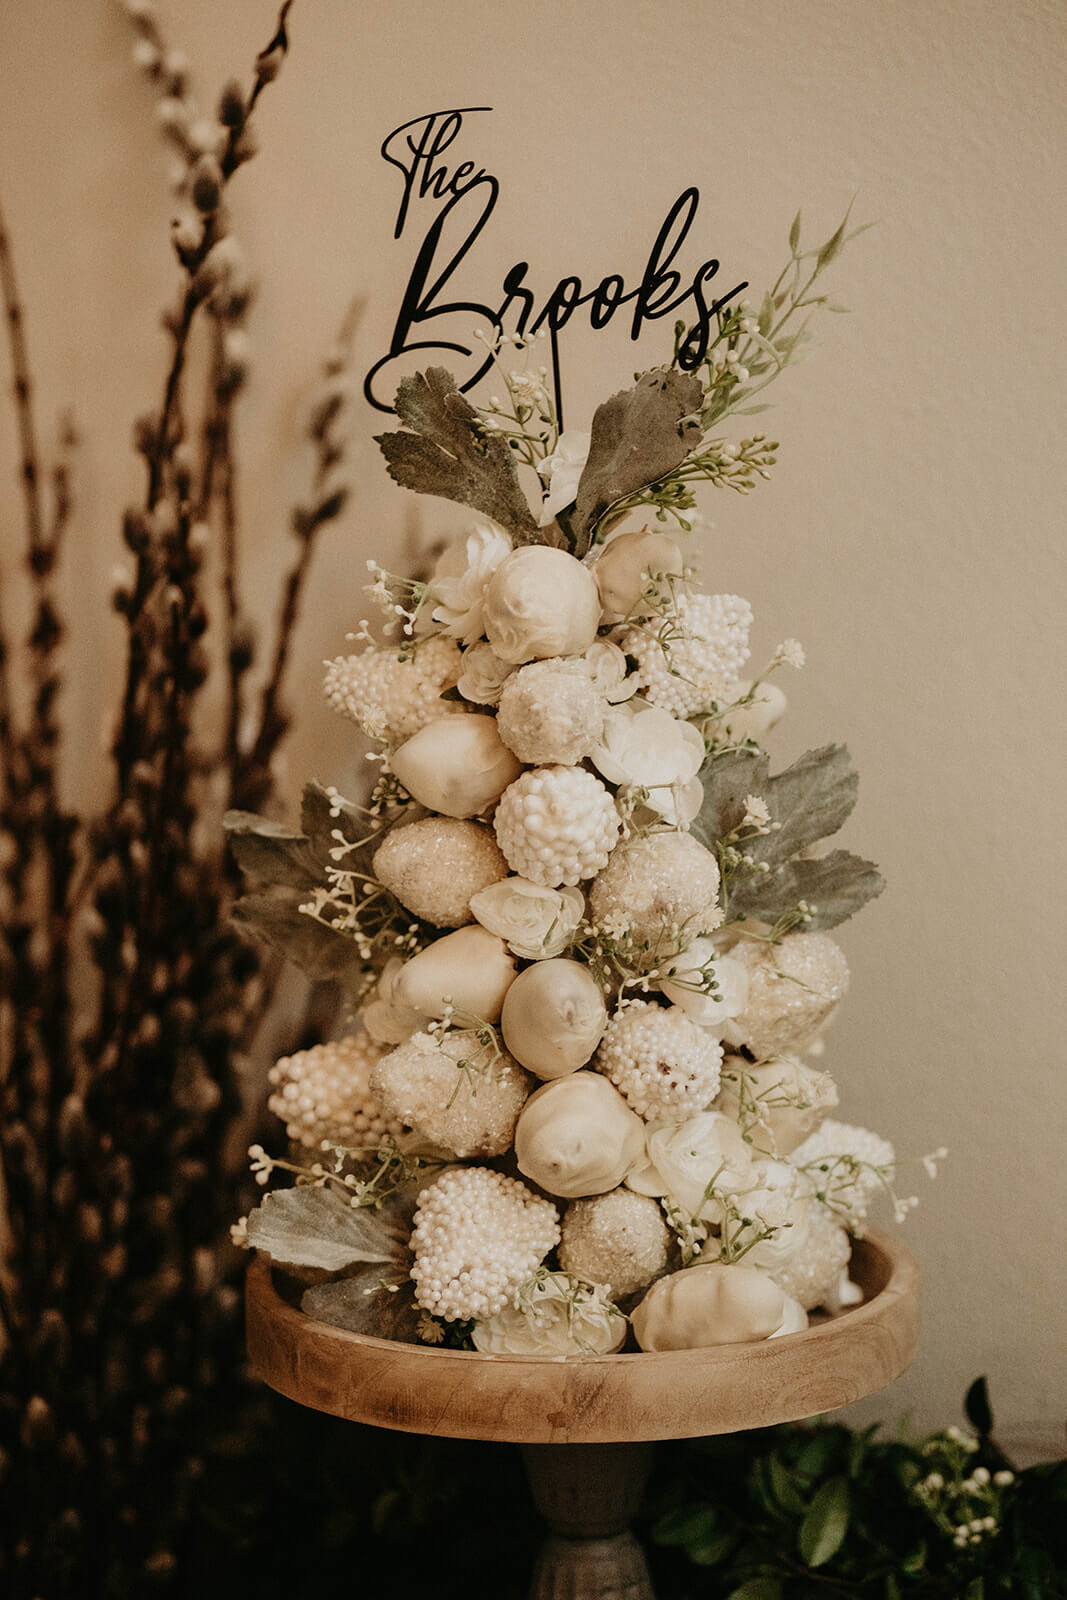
(571, 1000)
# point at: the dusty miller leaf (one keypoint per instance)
(809, 801)
(375, 1301)
(727, 779)
(270, 852)
(638, 436)
(277, 918)
(446, 454)
(836, 885)
(314, 1226)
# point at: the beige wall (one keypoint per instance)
(911, 535)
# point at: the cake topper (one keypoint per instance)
(459, 200)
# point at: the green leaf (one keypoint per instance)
(447, 454)
(638, 436)
(836, 886)
(314, 1226)
(766, 314)
(826, 1523)
(784, 1486)
(977, 1409)
(378, 1300)
(276, 917)
(727, 779)
(817, 1454)
(684, 1525)
(809, 801)
(794, 233)
(892, 1587)
(712, 1552)
(271, 852)
(975, 1589)
(834, 245)
(758, 1589)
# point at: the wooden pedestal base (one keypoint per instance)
(589, 1494)
(583, 1421)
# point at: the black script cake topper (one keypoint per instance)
(460, 199)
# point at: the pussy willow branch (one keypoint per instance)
(160, 435)
(323, 507)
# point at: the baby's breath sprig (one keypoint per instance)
(838, 1180)
(620, 962)
(402, 601)
(357, 905)
(388, 1167)
(396, 1168)
(964, 1501)
(528, 421)
(752, 1104)
(721, 462)
(691, 1235)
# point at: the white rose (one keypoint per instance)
(457, 587)
(609, 672)
(457, 766)
(534, 922)
(685, 1160)
(712, 1304)
(541, 602)
(561, 472)
(482, 674)
(691, 976)
(644, 746)
(577, 1136)
(554, 1017)
(469, 969)
(623, 569)
(555, 1316)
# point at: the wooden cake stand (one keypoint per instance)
(585, 1423)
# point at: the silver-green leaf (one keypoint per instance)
(446, 453)
(637, 436)
(376, 1300)
(835, 886)
(269, 852)
(809, 801)
(277, 918)
(315, 1226)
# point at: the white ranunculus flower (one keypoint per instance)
(541, 602)
(482, 674)
(535, 923)
(686, 1159)
(644, 746)
(458, 584)
(609, 672)
(561, 472)
(556, 1315)
(689, 981)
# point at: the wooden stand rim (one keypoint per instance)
(593, 1399)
